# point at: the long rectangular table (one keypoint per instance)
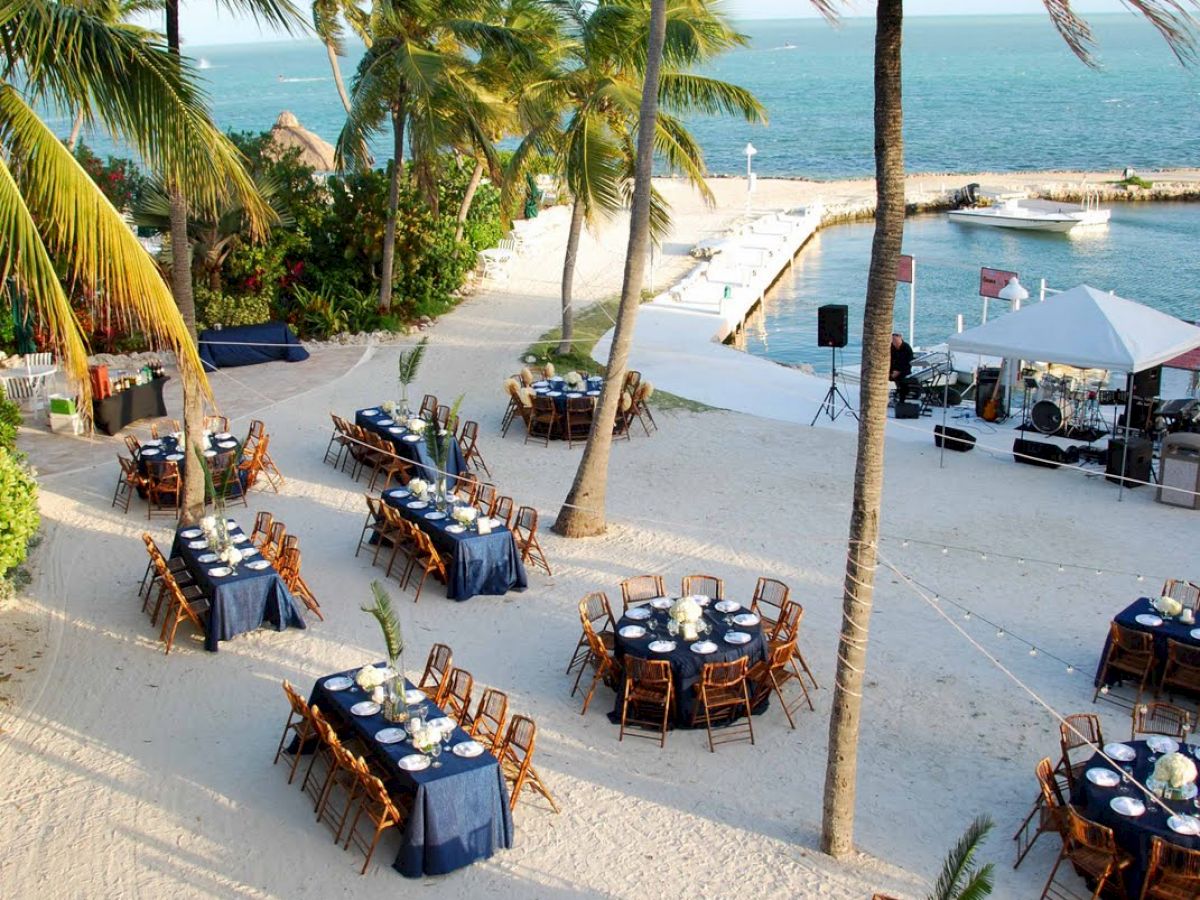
(460, 811)
(240, 602)
(142, 401)
(415, 451)
(480, 564)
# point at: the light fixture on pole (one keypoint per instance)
(749, 151)
(1014, 292)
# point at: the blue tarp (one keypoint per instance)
(248, 345)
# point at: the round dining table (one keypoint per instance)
(643, 626)
(1094, 794)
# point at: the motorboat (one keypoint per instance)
(1021, 212)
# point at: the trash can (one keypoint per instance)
(1179, 471)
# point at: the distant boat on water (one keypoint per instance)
(203, 64)
(1015, 210)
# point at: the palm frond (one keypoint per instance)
(957, 867)
(410, 361)
(385, 614)
(592, 162)
(683, 91)
(438, 445)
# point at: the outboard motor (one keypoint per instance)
(967, 196)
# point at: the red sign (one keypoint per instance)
(992, 281)
(904, 269)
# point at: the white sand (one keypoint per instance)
(124, 773)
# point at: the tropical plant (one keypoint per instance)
(584, 112)
(959, 879)
(219, 308)
(582, 512)
(385, 614)
(407, 365)
(10, 421)
(19, 518)
(319, 313)
(1177, 26)
(327, 18)
(118, 178)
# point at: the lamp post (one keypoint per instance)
(1014, 293)
(749, 151)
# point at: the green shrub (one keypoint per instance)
(10, 420)
(19, 518)
(216, 308)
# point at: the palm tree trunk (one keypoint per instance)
(582, 513)
(192, 503)
(464, 208)
(337, 75)
(568, 279)
(389, 231)
(76, 127)
(837, 825)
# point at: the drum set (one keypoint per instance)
(1064, 405)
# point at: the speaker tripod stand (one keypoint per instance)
(834, 396)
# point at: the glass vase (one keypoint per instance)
(439, 498)
(405, 412)
(395, 707)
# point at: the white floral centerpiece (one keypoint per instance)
(231, 556)
(1174, 773)
(388, 406)
(424, 738)
(465, 515)
(371, 677)
(416, 425)
(209, 526)
(687, 616)
(418, 486)
(573, 379)
(1168, 606)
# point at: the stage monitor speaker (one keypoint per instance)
(986, 378)
(908, 410)
(1137, 455)
(1038, 453)
(833, 325)
(954, 438)
(1147, 384)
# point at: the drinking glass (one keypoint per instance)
(435, 750)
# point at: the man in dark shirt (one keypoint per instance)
(901, 366)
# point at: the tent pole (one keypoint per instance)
(1125, 442)
(945, 403)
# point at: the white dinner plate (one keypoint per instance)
(157, 442)
(150, 451)
(223, 436)
(1120, 752)
(442, 723)
(240, 538)
(1181, 824)
(728, 606)
(454, 529)
(736, 637)
(190, 533)
(414, 696)
(554, 393)
(538, 384)
(638, 613)
(365, 708)
(220, 572)
(391, 735)
(399, 492)
(662, 646)
(1160, 743)
(574, 395)
(633, 632)
(703, 647)
(435, 515)
(745, 619)
(701, 599)
(661, 602)
(397, 429)
(1103, 777)
(467, 749)
(173, 457)
(414, 762)
(1127, 806)
(1148, 619)
(417, 504)
(207, 557)
(385, 422)
(411, 438)
(1195, 632)
(210, 453)
(593, 393)
(338, 683)
(370, 412)
(227, 445)
(258, 565)
(198, 545)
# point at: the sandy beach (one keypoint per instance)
(125, 773)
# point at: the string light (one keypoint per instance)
(1033, 651)
(945, 550)
(1070, 670)
(999, 632)
(983, 556)
(1060, 567)
(1021, 560)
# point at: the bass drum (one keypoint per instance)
(1049, 416)
(935, 396)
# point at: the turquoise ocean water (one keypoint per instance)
(981, 93)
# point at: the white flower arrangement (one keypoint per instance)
(424, 738)
(1168, 606)
(686, 610)
(370, 677)
(1175, 771)
(209, 523)
(417, 425)
(418, 486)
(231, 555)
(465, 515)
(388, 406)
(573, 379)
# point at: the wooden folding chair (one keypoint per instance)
(1172, 872)
(512, 388)
(502, 509)
(382, 811)
(487, 726)
(1131, 654)
(641, 406)
(457, 699)
(426, 558)
(270, 470)
(229, 485)
(322, 765)
(133, 445)
(771, 675)
(435, 680)
(704, 586)
(485, 497)
(262, 528)
(1160, 718)
(1093, 852)
(216, 424)
(542, 421)
(429, 405)
(525, 531)
(299, 725)
(373, 526)
(770, 595)
(648, 701)
(1048, 813)
(641, 589)
(338, 443)
(152, 576)
(164, 490)
(1075, 731)
(468, 442)
(129, 481)
(721, 697)
(466, 487)
(271, 547)
(185, 603)
(1182, 669)
(578, 420)
(605, 667)
(289, 571)
(1186, 592)
(516, 761)
(594, 610)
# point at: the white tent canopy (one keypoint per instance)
(1083, 327)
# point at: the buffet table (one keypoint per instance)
(142, 401)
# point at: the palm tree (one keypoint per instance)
(959, 879)
(326, 17)
(419, 76)
(586, 112)
(62, 57)
(1177, 27)
(219, 164)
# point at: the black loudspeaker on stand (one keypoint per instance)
(1135, 454)
(953, 438)
(833, 325)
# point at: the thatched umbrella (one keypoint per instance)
(314, 150)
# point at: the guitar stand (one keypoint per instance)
(829, 405)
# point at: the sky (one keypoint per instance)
(203, 22)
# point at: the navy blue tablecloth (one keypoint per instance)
(248, 345)
(480, 564)
(556, 388)
(1170, 628)
(1132, 833)
(415, 451)
(240, 602)
(686, 665)
(460, 811)
(169, 450)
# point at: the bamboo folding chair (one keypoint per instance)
(1130, 653)
(771, 675)
(578, 420)
(485, 497)
(595, 611)
(704, 586)
(512, 388)
(152, 577)
(133, 445)
(262, 528)
(299, 725)
(1075, 731)
(770, 595)
(435, 680)
(487, 726)
(185, 603)
(457, 699)
(1048, 812)
(269, 470)
(429, 405)
(502, 509)
(289, 571)
(525, 531)
(427, 558)
(1185, 592)
(341, 794)
(373, 526)
(516, 761)
(273, 545)
(338, 443)
(216, 424)
(466, 487)
(641, 406)
(1160, 718)
(641, 589)
(403, 536)
(648, 701)
(787, 628)
(468, 441)
(322, 764)
(605, 667)
(543, 420)
(721, 697)
(1093, 852)
(1172, 872)
(382, 811)
(1182, 669)
(164, 490)
(129, 481)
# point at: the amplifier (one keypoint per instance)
(954, 438)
